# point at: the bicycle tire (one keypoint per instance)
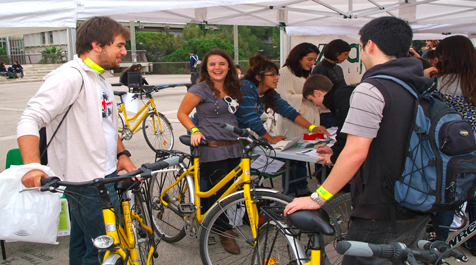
(215, 253)
(143, 238)
(277, 247)
(340, 207)
(167, 223)
(120, 125)
(155, 138)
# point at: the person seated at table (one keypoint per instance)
(3, 69)
(259, 89)
(17, 68)
(319, 90)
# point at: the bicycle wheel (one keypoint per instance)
(275, 247)
(166, 220)
(340, 207)
(143, 238)
(158, 132)
(233, 208)
(120, 125)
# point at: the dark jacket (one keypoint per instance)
(372, 186)
(331, 70)
(17, 67)
(337, 100)
(2, 68)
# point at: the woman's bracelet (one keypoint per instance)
(312, 127)
(194, 130)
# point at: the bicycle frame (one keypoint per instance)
(244, 178)
(462, 236)
(150, 106)
(124, 238)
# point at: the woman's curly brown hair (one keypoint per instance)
(232, 83)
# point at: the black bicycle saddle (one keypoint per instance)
(312, 220)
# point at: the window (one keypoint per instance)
(43, 37)
(51, 36)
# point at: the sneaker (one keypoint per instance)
(472, 251)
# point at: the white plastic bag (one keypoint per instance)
(30, 216)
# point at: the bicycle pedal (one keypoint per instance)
(186, 208)
(212, 240)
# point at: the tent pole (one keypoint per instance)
(71, 38)
(132, 29)
(284, 49)
(235, 43)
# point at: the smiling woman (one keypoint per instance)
(293, 75)
(216, 100)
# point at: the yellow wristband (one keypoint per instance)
(312, 127)
(194, 130)
(324, 193)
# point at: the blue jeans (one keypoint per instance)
(87, 222)
(444, 219)
(380, 232)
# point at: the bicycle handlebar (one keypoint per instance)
(231, 128)
(246, 134)
(398, 251)
(145, 171)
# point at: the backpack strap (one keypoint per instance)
(62, 119)
(412, 90)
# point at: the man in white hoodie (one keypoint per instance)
(86, 145)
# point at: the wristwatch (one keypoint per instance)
(125, 152)
(315, 197)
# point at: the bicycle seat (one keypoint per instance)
(311, 220)
(185, 139)
(119, 93)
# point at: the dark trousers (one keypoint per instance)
(210, 174)
(87, 222)
(380, 232)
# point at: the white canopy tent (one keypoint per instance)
(425, 16)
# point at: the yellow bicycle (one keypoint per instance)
(176, 209)
(133, 241)
(156, 127)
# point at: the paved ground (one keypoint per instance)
(13, 98)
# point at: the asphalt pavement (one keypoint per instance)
(13, 98)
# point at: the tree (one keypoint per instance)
(52, 55)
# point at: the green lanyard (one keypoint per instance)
(94, 65)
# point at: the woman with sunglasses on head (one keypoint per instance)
(294, 73)
(259, 89)
(216, 99)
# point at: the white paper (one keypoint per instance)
(267, 165)
(333, 132)
(309, 152)
(131, 104)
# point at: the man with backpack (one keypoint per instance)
(194, 62)
(378, 123)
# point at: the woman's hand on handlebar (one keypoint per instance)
(196, 138)
(32, 178)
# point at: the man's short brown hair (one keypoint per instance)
(100, 29)
(316, 82)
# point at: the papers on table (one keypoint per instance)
(267, 165)
(285, 144)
